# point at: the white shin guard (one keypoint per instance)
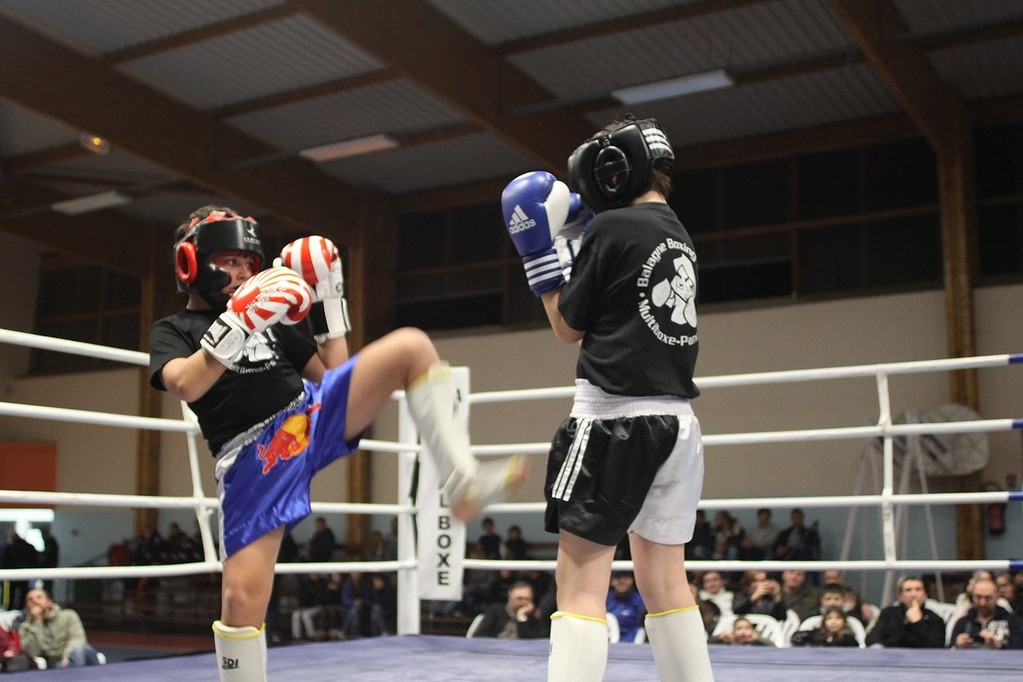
(679, 644)
(241, 653)
(578, 648)
(469, 484)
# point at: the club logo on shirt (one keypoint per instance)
(667, 293)
(290, 441)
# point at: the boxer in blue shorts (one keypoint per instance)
(275, 408)
(616, 271)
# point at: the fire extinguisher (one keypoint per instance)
(996, 510)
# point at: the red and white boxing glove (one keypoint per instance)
(270, 296)
(317, 260)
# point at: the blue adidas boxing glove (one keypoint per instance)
(535, 206)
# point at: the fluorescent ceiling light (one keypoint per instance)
(356, 147)
(93, 202)
(674, 87)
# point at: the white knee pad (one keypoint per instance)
(241, 653)
(578, 648)
(679, 644)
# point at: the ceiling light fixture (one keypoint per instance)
(90, 203)
(674, 87)
(94, 143)
(356, 147)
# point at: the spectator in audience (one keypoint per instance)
(312, 598)
(702, 544)
(321, 545)
(760, 594)
(19, 554)
(798, 542)
(50, 556)
(833, 631)
(489, 541)
(728, 536)
(54, 633)
(518, 618)
(1007, 591)
(759, 542)
(832, 595)
(715, 590)
(514, 546)
(709, 611)
(353, 596)
(987, 625)
(742, 633)
(907, 623)
(12, 658)
(853, 604)
(626, 604)
(148, 548)
(802, 598)
(380, 604)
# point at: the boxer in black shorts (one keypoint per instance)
(616, 271)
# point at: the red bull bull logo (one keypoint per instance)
(290, 441)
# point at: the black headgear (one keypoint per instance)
(193, 255)
(614, 167)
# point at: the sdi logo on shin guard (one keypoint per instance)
(228, 663)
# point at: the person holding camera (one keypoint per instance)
(760, 594)
(987, 625)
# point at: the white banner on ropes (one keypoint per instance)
(441, 537)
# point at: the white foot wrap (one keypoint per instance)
(578, 648)
(241, 653)
(469, 484)
(679, 644)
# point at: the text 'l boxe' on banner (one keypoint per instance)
(441, 537)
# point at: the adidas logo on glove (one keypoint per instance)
(519, 221)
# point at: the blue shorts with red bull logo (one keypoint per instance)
(263, 475)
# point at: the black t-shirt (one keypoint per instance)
(633, 292)
(259, 385)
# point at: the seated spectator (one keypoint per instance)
(1007, 591)
(489, 542)
(715, 590)
(709, 611)
(728, 536)
(625, 603)
(12, 658)
(320, 546)
(312, 598)
(834, 631)
(742, 633)
(759, 541)
(907, 623)
(353, 596)
(802, 598)
(853, 604)
(798, 542)
(760, 594)
(518, 618)
(514, 547)
(381, 605)
(54, 633)
(702, 544)
(987, 625)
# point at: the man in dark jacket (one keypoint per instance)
(908, 624)
(986, 624)
(519, 618)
